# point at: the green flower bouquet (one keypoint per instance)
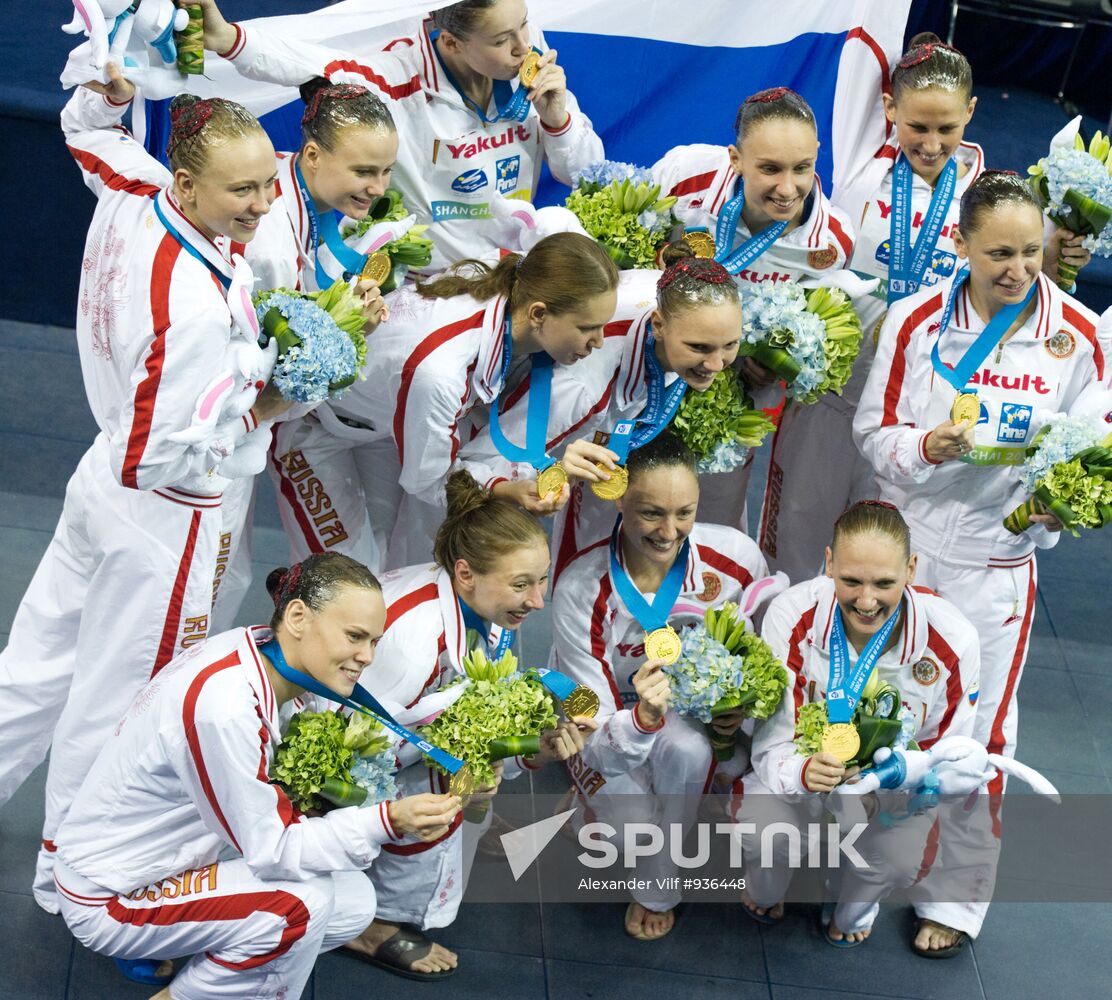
(720, 425)
(412, 249)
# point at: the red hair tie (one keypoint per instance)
(921, 53)
(289, 581)
(878, 503)
(698, 268)
(335, 92)
(768, 96)
(186, 120)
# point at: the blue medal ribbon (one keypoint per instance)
(361, 700)
(536, 418)
(189, 248)
(561, 685)
(847, 682)
(753, 247)
(905, 277)
(327, 228)
(986, 340)
(657, 413)
(655, 615)
(473, 623)
(512, 103)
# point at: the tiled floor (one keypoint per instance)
(565, 951)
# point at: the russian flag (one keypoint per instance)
(651, 74)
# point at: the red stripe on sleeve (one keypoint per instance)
(170, 624)
(795, 652)
(1088, 331)
(841, 236)
(434, 340)
(691, 185)
(896, 373)
(598, 641)
(942, 649)
(114, 181)
(407, 89)
(408, 602)
(724, 564)
(146, 393)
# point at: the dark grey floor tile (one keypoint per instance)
(481, 975)
(36, 950)
(22, 510)
(569, 980)
(505, 928)
(22, 548)
(1045, 651)
(20, 832)
(1054, 730)
(798, 956)
(38, 464)
(804, 993)
(95, 977)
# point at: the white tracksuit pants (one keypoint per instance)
(1000, 602)
(665, 790)
(124, 586)
(246, 937)
(814, 473)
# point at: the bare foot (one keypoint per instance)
(647, 925)
(162, 995)
(932, 936)
(437, 959)
(775, 912)
(836, 935)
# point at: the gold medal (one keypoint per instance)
(582, 701)
(662, 644)
(551, 480)
(967, 407)
(701, 243)
(377, 267)
(615, 486)
(842, 740)
(529, 69)
(462, 784)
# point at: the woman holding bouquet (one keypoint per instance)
(762, 204)
(490, 574)
(127, 580)
(657, 556)
(865, 614)
(139, 870)
(965, 372)
(468, 126)
(451, 346)
(672, 332)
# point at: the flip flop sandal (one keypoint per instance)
(142, 970)
(641, 935)
(826, 920)
(397, 955)
(765, 919)
(948, 952)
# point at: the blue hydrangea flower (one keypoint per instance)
(1063, 439)
(326, 354)
(909, 726)
(376, 775)
(776, 313)
(726, 456)
(704, 674)
(1075, 168)
(605, 171)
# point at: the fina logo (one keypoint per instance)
(506, 172)
(1015, 420)
(942, 263)
(470, 180)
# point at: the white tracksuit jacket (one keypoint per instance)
(450, 164)
(184, 779)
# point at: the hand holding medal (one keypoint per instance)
(598, 466)
(951, 440)
(547, 85)
(653, 693)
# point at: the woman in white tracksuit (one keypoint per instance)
(867, 608)
(448, 349)
(348, 149)
(762, 203)
(193, 853)
(955, 482)
(490, 574)
(468, 130)
(126, 582)
(599, 640)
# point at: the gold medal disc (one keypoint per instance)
(701, 243)
(462, 784)
(967, 407)
(529, 69)
(615, 486)
(377, 267)
(551, 480)
(662, 644)
(842, 740)
(582, 701)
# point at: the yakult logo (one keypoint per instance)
(1024, 383)
(465, 150)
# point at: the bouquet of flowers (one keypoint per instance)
(620, 206)
(1068, 472)
(879, 716)
(1074, 187)
(810, 338)
(347, 761)
(724, 665)
(321, 348)
(501, 713)
(412, 249)
(720, 424)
